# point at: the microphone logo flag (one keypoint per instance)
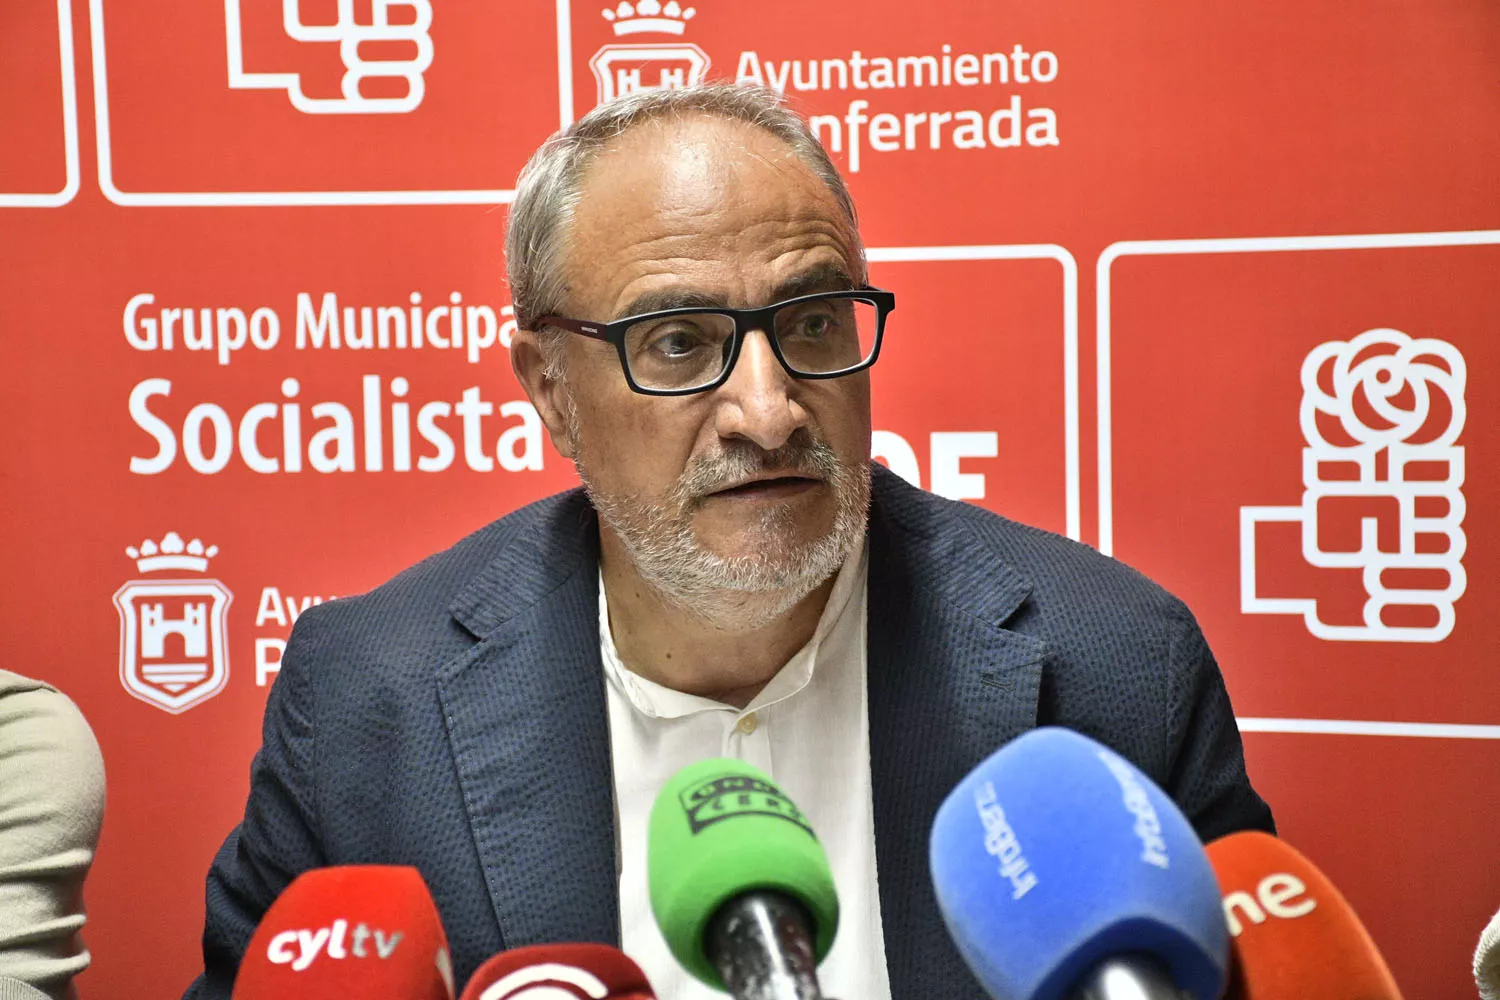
(1281, 894)
(728, 796)
(1380, 415)
(1138, 804)
(1000, 840)
(173, 649)
(579, 971)
(548, 981)
(300, 948)
(407, 32)
(349, 931)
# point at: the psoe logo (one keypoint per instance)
(1380, 415)
(172, 630)
(350, 35)
(625, 68)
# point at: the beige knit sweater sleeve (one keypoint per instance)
(51, 807)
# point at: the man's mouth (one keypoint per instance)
(768, 488)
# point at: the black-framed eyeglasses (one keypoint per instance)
(679, 351)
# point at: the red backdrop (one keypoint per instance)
(1130, 224)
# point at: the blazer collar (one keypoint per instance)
(948, 685)
(548, 545)
(526, 719)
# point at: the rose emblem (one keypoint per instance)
(1384, 388)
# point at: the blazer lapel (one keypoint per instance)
(526, 717)
(948, 685)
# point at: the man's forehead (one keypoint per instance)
(673, 194)
(694, 151)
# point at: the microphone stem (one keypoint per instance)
(1128, 977)
(761, 943)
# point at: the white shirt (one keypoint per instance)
(809, 730)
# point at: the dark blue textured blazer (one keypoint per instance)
(454, 719)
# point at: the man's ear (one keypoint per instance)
(548, 395)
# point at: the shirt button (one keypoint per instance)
(747, 724)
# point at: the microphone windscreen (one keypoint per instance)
(14, 989)
(720, 828)
(1487, 961)
(357, 932)
(559, 972)
(1056, 853)
(1293, 933)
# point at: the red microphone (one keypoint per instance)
(560, 972)
(1292, 933)
(359, 932)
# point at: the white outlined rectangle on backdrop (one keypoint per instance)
(1026, 251)
(1353, 727)
(56, 199)
(1263, 244)
(166, 199)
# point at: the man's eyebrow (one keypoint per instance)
(663, 299)
(823, 278)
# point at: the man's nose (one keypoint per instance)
(756, 402)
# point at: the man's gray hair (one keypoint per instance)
(547, 191)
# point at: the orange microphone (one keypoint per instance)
(560, 972)
(358, 932)
(1291, 933)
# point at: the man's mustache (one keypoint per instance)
(801, 455)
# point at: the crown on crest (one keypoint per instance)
(171, 553)
(649, 15)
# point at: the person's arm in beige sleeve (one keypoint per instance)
(51, 808)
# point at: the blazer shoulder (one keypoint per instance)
(415, 610)
(1059, 570)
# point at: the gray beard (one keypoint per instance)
(746, 592)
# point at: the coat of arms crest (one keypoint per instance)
(173, 652)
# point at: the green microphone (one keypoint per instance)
(739, 884)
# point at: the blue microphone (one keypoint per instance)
(1064, 873)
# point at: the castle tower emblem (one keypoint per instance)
(627, 67)
(173, 652)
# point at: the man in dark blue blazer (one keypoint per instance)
(462, 718)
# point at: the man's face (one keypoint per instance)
(761, 483)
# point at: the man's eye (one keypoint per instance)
(814, 326)
(676, 342)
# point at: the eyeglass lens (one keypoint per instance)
(688, 350)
